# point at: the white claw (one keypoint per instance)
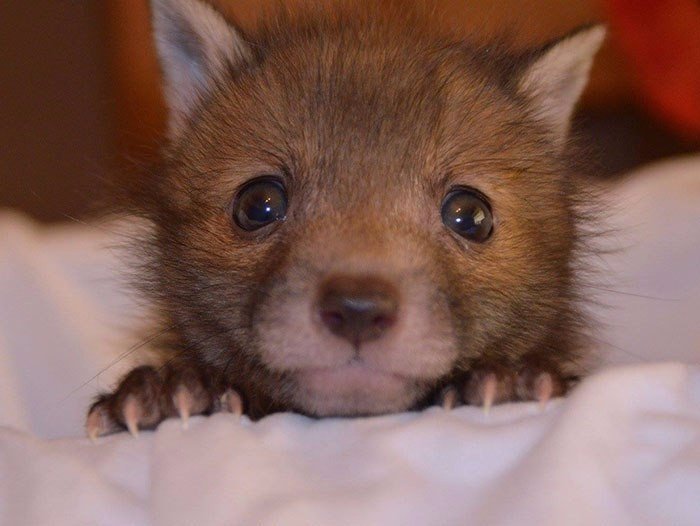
(449, 398)
(131, 414)
(94, 426)
(490, 388)
(544, 388)
(183, 403)
(232, 402)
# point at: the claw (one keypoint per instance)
(544, 388)
(232, 402)
(448, 398)
(131, 414)
(183, 402)
(95, 425)
(490, 386)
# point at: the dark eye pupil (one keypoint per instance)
(467, 214)
(260, 203)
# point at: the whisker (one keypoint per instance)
(633, 295)
(119, 358)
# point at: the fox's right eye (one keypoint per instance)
(260, 202)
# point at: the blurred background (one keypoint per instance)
(80, 100)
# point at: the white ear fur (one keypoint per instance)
(196, 47)
(555, 80)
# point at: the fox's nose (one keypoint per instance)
(358, 309)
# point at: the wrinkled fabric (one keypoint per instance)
(624, 449)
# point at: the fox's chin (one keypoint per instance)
(354, 390)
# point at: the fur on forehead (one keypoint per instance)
(200, 49)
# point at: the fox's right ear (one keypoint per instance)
(197, 47)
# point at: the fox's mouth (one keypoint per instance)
(353, 372)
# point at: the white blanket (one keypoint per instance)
(623, 449)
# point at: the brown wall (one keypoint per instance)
(55, 105)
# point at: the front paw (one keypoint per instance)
(146, 396)
(490, 383)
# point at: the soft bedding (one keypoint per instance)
(623, 449)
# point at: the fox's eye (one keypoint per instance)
(260, 202)
(466, 212)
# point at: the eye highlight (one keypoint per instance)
(467, 213)
(259, 203)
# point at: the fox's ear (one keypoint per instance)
(557, 75)
(197, 47)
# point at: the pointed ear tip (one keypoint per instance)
(593, 34)
(598, 31)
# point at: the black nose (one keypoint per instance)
(358, 309)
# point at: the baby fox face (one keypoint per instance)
(353, 211)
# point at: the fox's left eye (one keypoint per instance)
(259, 203)
(467, 212)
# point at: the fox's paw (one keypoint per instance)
(487, 384)
(147, 396)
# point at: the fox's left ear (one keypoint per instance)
(556, 76)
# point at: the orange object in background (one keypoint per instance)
(662, 41)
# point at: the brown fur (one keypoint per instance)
(370, 118)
